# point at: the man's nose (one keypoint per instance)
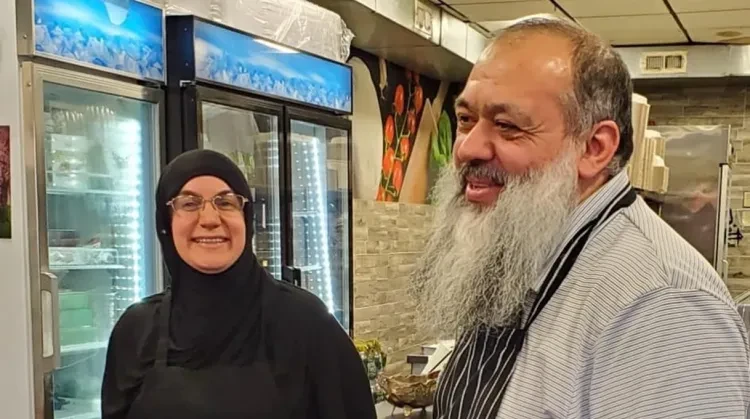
(475, 145)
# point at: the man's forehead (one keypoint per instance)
(539, 53)
(531, 66)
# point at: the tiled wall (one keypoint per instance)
(388, 239)
(712, 105)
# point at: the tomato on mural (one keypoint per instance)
(395, 161)
(400, 129)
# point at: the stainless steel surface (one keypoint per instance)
(25, 26)
(722, 244)
(703, 61)
(33, 77)
(697, 197)
(386, 28)
(29, 100)
(475, 44)
(453, 33)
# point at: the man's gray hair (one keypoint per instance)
(602, 88)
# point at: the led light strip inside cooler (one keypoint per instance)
(130, 131)
(326, 266)
(135, 166)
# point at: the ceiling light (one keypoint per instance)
(728, 34)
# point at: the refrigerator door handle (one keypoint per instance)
(50, 321)
(263, 215)
(292, 275)
(721, 244)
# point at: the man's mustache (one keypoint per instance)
(482, 170)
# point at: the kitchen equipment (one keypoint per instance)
(92, 114)
(281, 116)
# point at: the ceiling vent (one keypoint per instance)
(673, 62)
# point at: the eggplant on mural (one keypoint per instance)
(402, 130)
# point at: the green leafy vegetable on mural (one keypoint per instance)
(442, 141)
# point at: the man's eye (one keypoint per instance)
(506, 126)
(464, 120)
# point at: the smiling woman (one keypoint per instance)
(209, 239)
(226, 340)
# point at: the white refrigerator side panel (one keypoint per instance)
(16, 397)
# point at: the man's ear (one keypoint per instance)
(600, 148)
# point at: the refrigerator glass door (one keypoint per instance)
(251, 139)
(319, 177)
(99, 165)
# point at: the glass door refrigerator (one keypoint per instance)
(319, 213)
(279, 113)
(92, 114)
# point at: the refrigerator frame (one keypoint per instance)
(26, 42)
(41, 280)
(184, 133)
(180, 67)
(329, 121)
(192, 134)
(721, 250)
(184, 121)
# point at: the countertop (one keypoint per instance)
(384, 410)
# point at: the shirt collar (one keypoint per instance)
(584, 212)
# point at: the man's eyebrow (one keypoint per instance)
(461, 102)
(503, 108)
(497, 108)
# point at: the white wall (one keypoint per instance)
(15, 346)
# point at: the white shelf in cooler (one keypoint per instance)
(85, 267)
(83, 347)
(83, 258)
(85, 415)
(63, 191)
(79, 409)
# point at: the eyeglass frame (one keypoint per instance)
(243, 201)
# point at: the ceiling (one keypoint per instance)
(624, 22)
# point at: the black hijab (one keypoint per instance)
(215, 319)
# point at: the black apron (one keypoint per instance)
(474, 381)
(217, 392)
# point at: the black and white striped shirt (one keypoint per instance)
(642, 327)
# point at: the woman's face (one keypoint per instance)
(209, 239)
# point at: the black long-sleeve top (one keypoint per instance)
(321, 374)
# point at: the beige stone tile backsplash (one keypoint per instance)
(388, 239)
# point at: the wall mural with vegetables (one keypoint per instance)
(402, 130)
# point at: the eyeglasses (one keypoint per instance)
(226, 203)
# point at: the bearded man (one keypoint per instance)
(568, 295)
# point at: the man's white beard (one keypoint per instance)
(480, 263)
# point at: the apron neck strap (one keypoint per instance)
(567, 258)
